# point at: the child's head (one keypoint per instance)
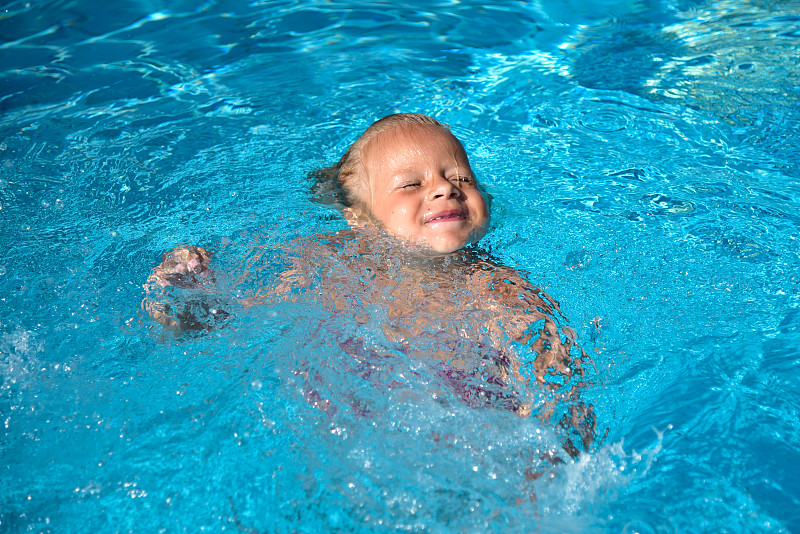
(410, 175)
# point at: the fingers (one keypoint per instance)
(183, 267)
(183, 260)
(192, 266)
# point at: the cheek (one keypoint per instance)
(401, 218)
(479, 205)
(400, 210)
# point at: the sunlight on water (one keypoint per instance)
(640, 157)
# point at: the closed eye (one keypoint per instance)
(462, 179)
(410, 185)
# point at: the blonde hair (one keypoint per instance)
(342, 183)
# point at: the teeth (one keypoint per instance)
(452, 215)
(447, 216)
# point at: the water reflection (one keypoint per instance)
(734, 59)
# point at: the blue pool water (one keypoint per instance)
(642, 159)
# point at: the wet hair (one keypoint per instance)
(340, 184)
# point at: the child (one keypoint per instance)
(413, 204)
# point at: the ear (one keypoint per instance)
(355, 217)
(488, 197)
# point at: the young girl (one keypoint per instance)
(414, 209)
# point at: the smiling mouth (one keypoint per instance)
(447, 216)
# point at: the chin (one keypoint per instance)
(446, 247)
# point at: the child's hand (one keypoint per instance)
(184, 267)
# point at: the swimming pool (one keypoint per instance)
(641, 157)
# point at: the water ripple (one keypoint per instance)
(644, 171)
(604, 120)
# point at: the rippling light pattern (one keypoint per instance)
(642, 162)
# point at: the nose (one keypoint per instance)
(442, 187)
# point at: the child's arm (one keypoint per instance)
(530, 317)
(182, 290)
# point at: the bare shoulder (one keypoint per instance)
(510, 288)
